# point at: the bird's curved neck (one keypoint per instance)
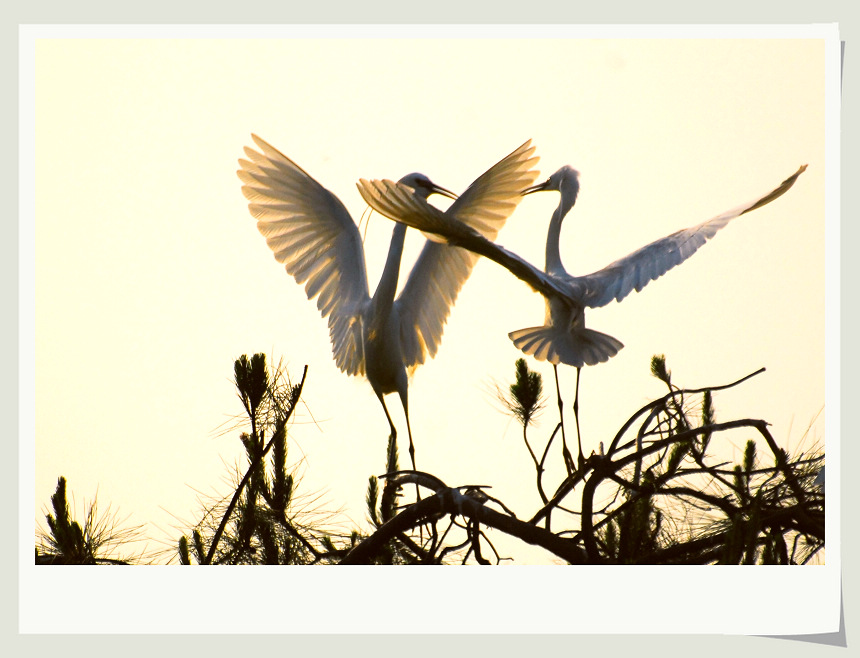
(553, 235)
(384, 295)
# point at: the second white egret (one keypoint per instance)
(563, 338)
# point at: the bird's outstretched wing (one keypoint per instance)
(494, 195)
(312, 234)
(638, 269)
(396, 201)
(440, 271)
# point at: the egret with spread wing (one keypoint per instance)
(310, 231)
(563, 338)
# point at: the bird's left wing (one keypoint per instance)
(494, 195)
(311, 233)
(440, 271)
(638, 269)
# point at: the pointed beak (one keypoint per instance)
(438, 189)
(540, 187)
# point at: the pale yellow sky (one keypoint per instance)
(151, 277)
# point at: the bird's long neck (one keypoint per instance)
(383, 298)
(553, 234)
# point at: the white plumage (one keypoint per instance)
(563, 338)
(310, 231)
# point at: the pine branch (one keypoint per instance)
(280, 429)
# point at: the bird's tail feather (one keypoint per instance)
(576, 347)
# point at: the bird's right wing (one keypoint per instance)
(440, 271)
(396, 201)
(638, 269)
(312, 234)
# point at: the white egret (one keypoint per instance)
(563, 338)
(310, 231)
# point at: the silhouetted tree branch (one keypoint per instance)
(657, 495)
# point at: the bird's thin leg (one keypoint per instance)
(411, 444)
(568, 459)
(405, 401)
(387, 415)
(576, 417)
(394, 431)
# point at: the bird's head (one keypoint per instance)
(424, 187)
(565, 180)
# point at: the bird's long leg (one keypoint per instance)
(387, 415)
(568, 459)
(405, 401)
(394, 431)
(411, 444)
(576, 417)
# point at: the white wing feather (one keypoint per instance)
(571, 343)
(638, 269)
(396, 201)
(616, 281)
(312, 234)
(440, 271)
